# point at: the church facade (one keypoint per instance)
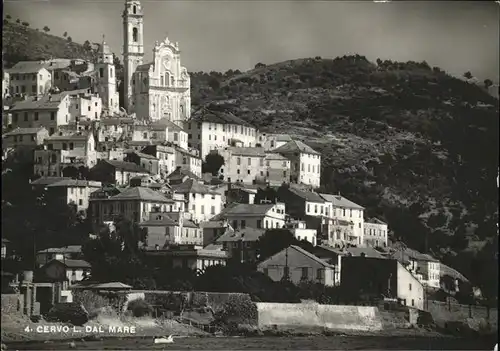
(155, 90)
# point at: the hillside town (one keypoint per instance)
(148, 161)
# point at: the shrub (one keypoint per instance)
(46, 29)
(140, 308)
(18, 20)
(90, 300)
(69, 39)
(26, 24)
(239, 309)
(72, 312)
(8, 17)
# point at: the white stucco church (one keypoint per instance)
(158, 89)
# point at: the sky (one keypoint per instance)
(457, 36)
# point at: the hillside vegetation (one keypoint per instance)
(417, 147)
(22, 43)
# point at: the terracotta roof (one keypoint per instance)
(180, 173)
(141, 193)
(48, 180)
(296, 146)
(75, 183)
(206, 114)
(71, 263)
(46, 102)
(169, 124)
(275, 156)
(246, 151)
(375, 221)
(191, 186)
(24, 131)
(246, 210)
(340, 201)
(26, 67)
(143, 155)
(303, 252)
(306, 195)
(116, 121)
(127, 166)
(246, 234)
(72, 136)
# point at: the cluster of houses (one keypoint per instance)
(63, 117)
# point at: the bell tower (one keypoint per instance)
(133, 48)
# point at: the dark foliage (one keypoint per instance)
(213, 162)
(415, 146)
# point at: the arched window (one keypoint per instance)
(134, 34)
(162, 82)
(134, 9)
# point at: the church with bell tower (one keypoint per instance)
(160, 89)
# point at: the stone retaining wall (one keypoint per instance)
(342, 318)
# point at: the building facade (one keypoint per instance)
(155, 90)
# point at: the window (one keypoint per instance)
(305, 273)
(308, 207)
(235, 224)
(315, 208)
(134, 34)
(412, 302)
(259, 223)
(248, 172)
(243, 224)
(238, 161)
(26, 116)
(319, 273)
(71, 146)
(134, 9)
(212, 210)
(80, 202)
(202, 209)
(64, 146)
(33, 88)
(52, 116)
(249, 162)
(409, 287)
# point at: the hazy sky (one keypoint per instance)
(458, 36)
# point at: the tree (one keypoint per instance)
(8, 16)
(468, 75)
(18, 20)
(69, 39)
(213, 162)
(488, 83)
(260, 65)
(65, 34)
(214, 83)
(273, 241)
(26, 24)
(87, 46)
(46, 29)
(5, 21)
